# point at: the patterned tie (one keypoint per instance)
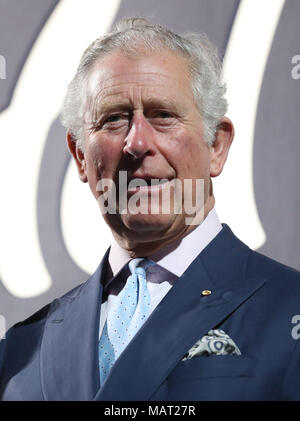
(128, 313)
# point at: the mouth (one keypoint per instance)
(146, 183)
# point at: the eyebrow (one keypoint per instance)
(160, 103)
(96, 109)
(114, 106)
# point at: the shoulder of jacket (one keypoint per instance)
(272, 269)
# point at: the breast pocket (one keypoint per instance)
(218, 377)
(214, 366)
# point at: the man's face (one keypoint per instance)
(141, 117)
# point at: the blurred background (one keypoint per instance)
(52, 236)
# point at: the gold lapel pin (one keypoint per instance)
(206, 292)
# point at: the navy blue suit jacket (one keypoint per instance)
(53, 355)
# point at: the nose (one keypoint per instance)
(138, 142)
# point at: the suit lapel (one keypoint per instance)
(69, 349)
(183, 317)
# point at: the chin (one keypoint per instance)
(148, 223)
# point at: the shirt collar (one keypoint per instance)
(175, 257)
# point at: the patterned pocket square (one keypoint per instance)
(216, 342)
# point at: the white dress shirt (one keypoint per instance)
(175, 257)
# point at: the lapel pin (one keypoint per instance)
(206, 292)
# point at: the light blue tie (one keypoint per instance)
(128, 313)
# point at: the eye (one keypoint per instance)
(113, 118)
(161, 114)
(164, 114)
(117, 120)
(162, 118)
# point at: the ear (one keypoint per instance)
(220, 147)
(78, 156)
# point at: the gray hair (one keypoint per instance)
(128, 36)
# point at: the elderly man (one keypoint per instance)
(179, 308)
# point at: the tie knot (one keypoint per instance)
(133, 264)
(139, 265)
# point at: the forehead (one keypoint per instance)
(163, 74)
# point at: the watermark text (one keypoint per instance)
(296, 69)
(296, 329)
(2, 327)
(2, 67)
(152, 196)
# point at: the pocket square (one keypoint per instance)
(216, 342)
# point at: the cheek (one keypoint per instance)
(190, 156)
(103, 158)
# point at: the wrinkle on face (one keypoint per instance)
(104, 88)
(137, 91)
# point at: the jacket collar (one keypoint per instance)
(225, 259)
